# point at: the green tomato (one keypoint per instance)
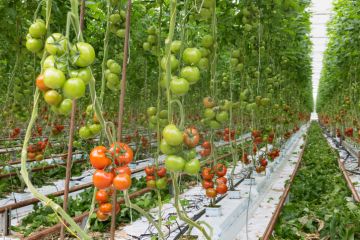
(191, 56)
(161, 183)
(74, 88)
(204, 52)
(146, 46)
(76, 144)
(89, 110)
(235, 53)
(175, 46)
(52, 97)
(56, 44)
(65, 107)
(174, 163)
(82, 73)
(209, 3)
(214, 124)
(37, 29)
(222, 116)
(163, 122)
(54, 78)
(83, 54)
(209, 113)
(179, 86)
(110, 62)
(115, 18)
(205, 13)
(153, 119)
(265, 101)
(191, 74)
(234, 62)
(189, 154)
(151, 111)
(226, 105)
(172, 135)
(207, 41)
(84, 132)
(54, 109)
(163, 114)
(120, 33)
(95, 128)
(151, 30)
(34, 45)
(174, 63)
(192, 167)
(151, 39)
(115, 68)
(203, 64)
(49, 62)
(113, 79)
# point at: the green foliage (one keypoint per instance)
(320, 201)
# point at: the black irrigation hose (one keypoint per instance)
(202, 212)
(340, 147)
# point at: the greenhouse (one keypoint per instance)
(180, 119)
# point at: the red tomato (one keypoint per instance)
(207, 174)
(102, 179)
(149, 170)
(205, 152)
(102, 216)
(122, 181)
(221, 188)
(206, 145)
(122, 152)
(220, 180)
(263, 162)
(40, 83)
(98, 158)
(220, 169)
(161, 172)
(123, 169)
(150, 177)
(207, 184)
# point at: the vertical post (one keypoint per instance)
(121, 107)
(71, 137)
(7, 222)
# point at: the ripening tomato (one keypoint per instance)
(122, 181)
(40, 83)
(150, 177)
(122, 153)
(211, 193)
(191, 137)
(102, 179)
(220, 169)
(151, 184)
(102, 216)
(208, 102)
(207, 184)
(52, 97)
(98, 158)
(102, 196)
(221, 188)
(83, 54)
(207, 174)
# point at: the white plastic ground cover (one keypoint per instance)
(85, 177)
(350, 162)
(224, 227)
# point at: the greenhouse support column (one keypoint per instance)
(121, 105)
(71, 137)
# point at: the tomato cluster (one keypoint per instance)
(205, 13)
(215, 115)
(349, 132)
(214, 180)
(57, 129)
(112, 74)
(92, 128)
(171, 145)
(35, 36)
(229, 135)
(65, 69)
(155, 117)
(102, 197)
(36, 151)
(117, 23)
(151, 41)
(245, 158)
(274, 154)
(156, 177)
(111, 168)
(206, 151)
(15, 133)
